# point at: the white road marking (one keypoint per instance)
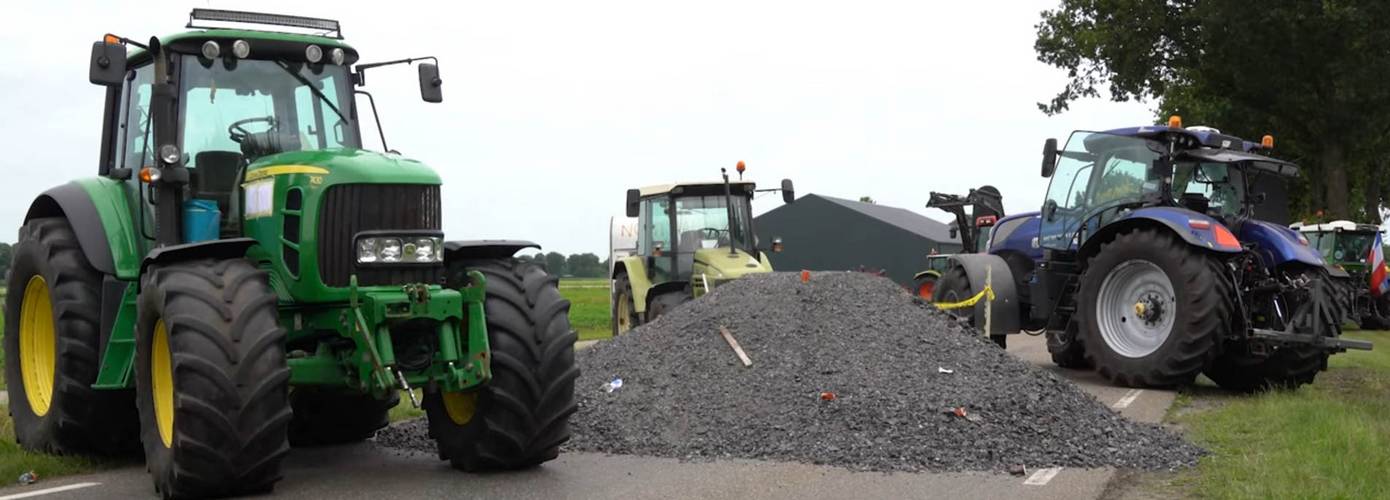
(1129, 398)
(1039, 478)
(46, 491)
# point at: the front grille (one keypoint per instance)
(348, 209)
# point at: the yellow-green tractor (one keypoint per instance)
(680, 240)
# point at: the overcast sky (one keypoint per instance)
(553, 109)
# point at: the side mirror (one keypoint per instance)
(430, 85)
(788, 194)
(1049, 159)
(633, 197)
(108, 64)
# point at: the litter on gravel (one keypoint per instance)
(849, 373)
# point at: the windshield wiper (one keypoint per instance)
(317, 93)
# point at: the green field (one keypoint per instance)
(1330, 439)
(588, 306)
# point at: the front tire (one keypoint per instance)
(625, 316)
(665, 303)
(211, 379)
(51, 343)
(520, 418)
(1066, 347)
(1152, 309)
(924, 286)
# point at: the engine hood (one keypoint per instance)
(342, 166)
(718, 263)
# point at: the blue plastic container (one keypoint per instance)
(202, 220)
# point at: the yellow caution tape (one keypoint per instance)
(987, 292)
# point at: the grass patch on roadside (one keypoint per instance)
(1330, 439)
(15, 460)
(588, 306)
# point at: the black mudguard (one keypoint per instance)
(485, 249)
(1006, 300)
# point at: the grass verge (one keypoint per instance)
(15, 460)
(588, 306)
(404, 410)
(1330, 439)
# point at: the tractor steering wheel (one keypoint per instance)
(238, 132)
(712, 233)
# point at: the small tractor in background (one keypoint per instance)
(1347, 246)
(679, 241)
(1150, 265)
(241, 276)
(987, 206)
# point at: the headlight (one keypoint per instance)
(400, 250)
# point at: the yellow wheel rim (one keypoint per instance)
(624, 318)
(38, 345)
(162, 383)
(460, 406)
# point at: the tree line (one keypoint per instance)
(581, 265)
(1313, 74)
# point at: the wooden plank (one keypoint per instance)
(729, 337)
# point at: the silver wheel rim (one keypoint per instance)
(1135, 308)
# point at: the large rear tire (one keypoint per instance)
(521, 417)
(211, 379)
(326, 417)
(1152, 308)
(52, 338)
(625, 316)
(1285, 367)
(954, 286)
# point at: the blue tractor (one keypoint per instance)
(1153, 260)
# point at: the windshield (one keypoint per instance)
(1095, 171)
(703, 222)
(1345, 247)
(255, 108)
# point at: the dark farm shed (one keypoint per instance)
(824, 233)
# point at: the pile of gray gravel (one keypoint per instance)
(880, 352)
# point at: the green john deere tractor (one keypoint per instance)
(242, 276)
(1346, 246)
(712, 225)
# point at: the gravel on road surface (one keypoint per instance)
(847, 370)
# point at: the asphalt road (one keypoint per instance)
(365, 471)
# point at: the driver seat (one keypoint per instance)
(216, 175)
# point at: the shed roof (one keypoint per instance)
(899, 217)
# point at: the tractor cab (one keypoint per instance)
(681, 240)
(203, 108)
(1343, 243)
(699, 232)
(1102, 177)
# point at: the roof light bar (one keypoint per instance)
(329, 27)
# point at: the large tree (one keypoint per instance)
(555, 263)
(1312, 73)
